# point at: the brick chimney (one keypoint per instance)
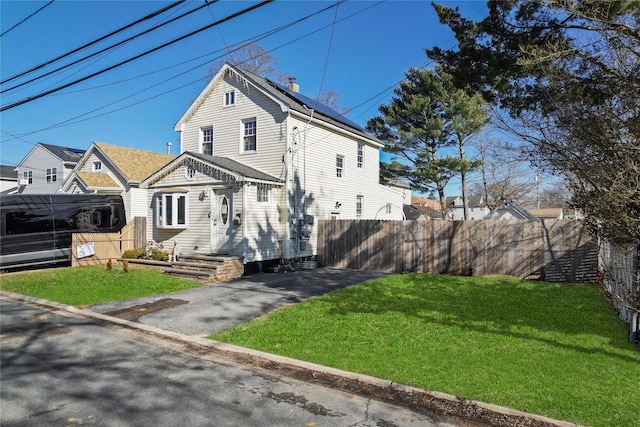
(293, 86)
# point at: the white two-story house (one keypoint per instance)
(45, 167)
(259, 165)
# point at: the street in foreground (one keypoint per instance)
(63, 370)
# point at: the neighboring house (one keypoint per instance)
(260, 163)
(411, 213)
(111, 169)
(45, 168)
(477, 208)
(509, 210)
(8, 179)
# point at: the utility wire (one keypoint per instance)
(49, 92)
(326, 61)
(44, 64)
(237, 46)
(26, 19)
(147, 31)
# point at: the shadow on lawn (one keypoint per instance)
(495, 305)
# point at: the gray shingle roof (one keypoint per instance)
(227, 164)
(66, 154)
(8, 172)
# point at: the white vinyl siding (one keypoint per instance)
(37, 163)
(271, 124)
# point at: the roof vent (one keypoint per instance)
(293, 86)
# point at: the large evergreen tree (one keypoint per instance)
(426, 116)
(566, 73)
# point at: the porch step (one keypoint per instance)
(210, 268)
(196, 265)
(183, 272)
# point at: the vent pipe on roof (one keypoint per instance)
(169, 147)
(293, 86)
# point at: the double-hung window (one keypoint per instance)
(28, 177)
(52, 174)
(359, 205)
(249, 135)
(206, 135)
(171, 210)
(229, 98)
(360, 155)
(263, 193)
(339, 166)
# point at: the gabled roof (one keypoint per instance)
(232, 169)
(96, 180)
(512, 208)
(135, 165)
(67, 155)
(288, 100)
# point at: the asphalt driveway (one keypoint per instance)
(218, 306)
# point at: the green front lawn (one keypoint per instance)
(92, 285)
(553, 349)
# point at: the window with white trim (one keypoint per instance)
(339, 166)
(359, 206)
(388, 208)
(206, 140)
(229, 98)
(249, 135)
(97, 166)
(360, 155)
(28, 177)
(263, 191)
(52, 174)
(171, 210)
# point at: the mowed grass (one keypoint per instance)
(92, 285)
(557, 350)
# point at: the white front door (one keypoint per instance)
(221, 219)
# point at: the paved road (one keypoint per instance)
(218, 306)
(60, 370)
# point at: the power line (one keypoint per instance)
(147, 31)
(26, 19)
(238, 46)
(44, 64)
(49, 92)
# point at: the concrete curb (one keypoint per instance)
(412, 397)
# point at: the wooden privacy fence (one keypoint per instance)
(554, 250)
(99, 248)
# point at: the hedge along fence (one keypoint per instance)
(552, 249)
(99, 248)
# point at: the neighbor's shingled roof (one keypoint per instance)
(134, 164)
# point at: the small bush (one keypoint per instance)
(158, 255)
(134, 254)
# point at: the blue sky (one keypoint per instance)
(362, 57)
